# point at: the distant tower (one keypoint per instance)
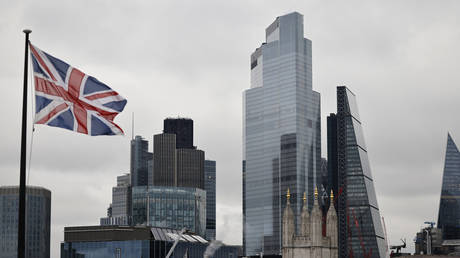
(38, 218)
(177, 163)
(360, 227)
(182, 128)
(140, 161)
(449, 206)
(121, 206)
(210, 187)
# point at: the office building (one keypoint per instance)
(120, 210)
(140, 161)
(176, 161)
(170, 207)
(281, 134)
(360, 227)
(449, 206)
(190, 168)
(118, 241)
(183, 129)
(210, 187)
(38, 217)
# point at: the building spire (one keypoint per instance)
(316, 193)
(304, 198)
(288, 195)
(332, 196)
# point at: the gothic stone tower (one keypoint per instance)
(310, 243)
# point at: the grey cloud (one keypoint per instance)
(191, 58)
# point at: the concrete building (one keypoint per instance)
(281, 134)
(310, 242)
(38, 218)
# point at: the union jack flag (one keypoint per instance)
(68, 98)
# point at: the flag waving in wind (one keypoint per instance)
(68, 98)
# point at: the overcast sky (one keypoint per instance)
(191, 59)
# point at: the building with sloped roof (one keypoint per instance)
(139, 241)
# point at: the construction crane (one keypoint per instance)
(397, 248)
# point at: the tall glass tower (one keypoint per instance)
(140, 161)
(449, 206)
(360, 226)
(281, 134)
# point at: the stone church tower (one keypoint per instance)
(310, 243)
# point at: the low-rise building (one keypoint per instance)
(139, 241)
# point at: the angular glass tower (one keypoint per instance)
(360, 227)
(449, 206)
(281, 134)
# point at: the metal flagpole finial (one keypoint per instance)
(27, 31)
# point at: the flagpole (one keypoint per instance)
(22, 178)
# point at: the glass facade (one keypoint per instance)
(112, 249)
(281, 134)
(120, 208)
(140, 161)
(360, 227)
(170, 207)
(38, 216)
(210, 187)
(142, 249)
(449, 207)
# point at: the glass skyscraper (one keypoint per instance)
(449, 206)
(38, 218)
(140, 158)
(360, 227)
(210, 187)
(281, 134)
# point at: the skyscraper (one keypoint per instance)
(140, 161)
(360, 227)
(281, 134)
(449, 206)
(174, 166)
(183, 129)
(121, 206)
(164, 160)
(38, 218)
(210, 187)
